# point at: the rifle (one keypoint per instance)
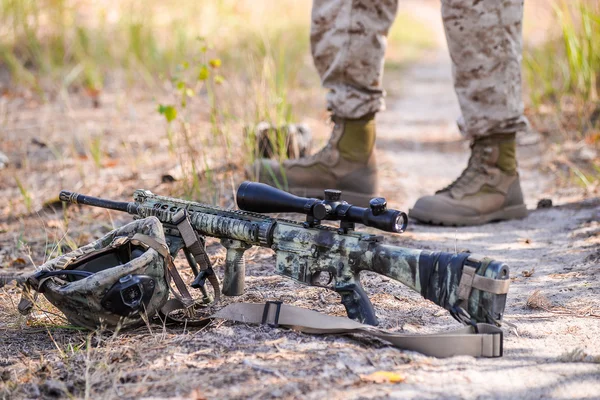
(471, 287)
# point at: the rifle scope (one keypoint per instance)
(261, 198)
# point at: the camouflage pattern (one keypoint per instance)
(309, 255)
(80, 300)
(322, 256)
(348, 42)
(235, 267)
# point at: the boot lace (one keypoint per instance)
(475, 167)
(324, 152)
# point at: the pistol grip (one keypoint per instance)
(357, 303)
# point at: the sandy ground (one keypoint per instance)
(553, 350)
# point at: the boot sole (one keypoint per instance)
(354, 198)
(512, 212)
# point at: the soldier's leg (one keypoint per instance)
(348, 42)
(485, 43)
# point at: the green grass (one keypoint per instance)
(43, 42)
(569, 61)
(562, 76)
(25, 194)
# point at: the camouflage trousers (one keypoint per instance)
(348, 43)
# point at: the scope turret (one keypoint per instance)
(262, 198)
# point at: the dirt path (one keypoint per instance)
(554, 300)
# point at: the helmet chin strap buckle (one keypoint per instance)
(129, 295)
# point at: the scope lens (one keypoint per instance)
(400, 223)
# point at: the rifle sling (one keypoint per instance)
(163, 250)
(480, 340)
(196, 247)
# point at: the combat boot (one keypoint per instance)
(346, 163)
(487, 190)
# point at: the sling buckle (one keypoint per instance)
(266, 310)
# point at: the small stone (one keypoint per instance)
(167, 178)
(587, 153)
(544, 203)
(3, 160)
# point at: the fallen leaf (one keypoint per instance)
(383, 377)
(111, 163)
(196, 394)
(527, 274)
(53, 223)
(593, 137)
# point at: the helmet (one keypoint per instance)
(112, 281)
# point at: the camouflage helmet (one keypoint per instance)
(112, 281)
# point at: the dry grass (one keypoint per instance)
(579, 355)
(538, 301)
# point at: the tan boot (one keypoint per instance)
(487, 190)
(347, 163)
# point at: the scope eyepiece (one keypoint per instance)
(262, 198)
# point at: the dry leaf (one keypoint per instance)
(383, 377)
(196, 394)
(110, 163)
(592, 137)
(527, 274)
(53, 223)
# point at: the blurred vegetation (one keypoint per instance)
(57, 44)
(262, 49)
(569, 62)
(225, 62)
(563, 81)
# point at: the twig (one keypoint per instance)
(263, 369)
(88, 385)
(62, 353)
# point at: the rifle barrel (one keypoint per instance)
(76, 198)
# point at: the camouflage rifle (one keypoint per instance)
(472, 288)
